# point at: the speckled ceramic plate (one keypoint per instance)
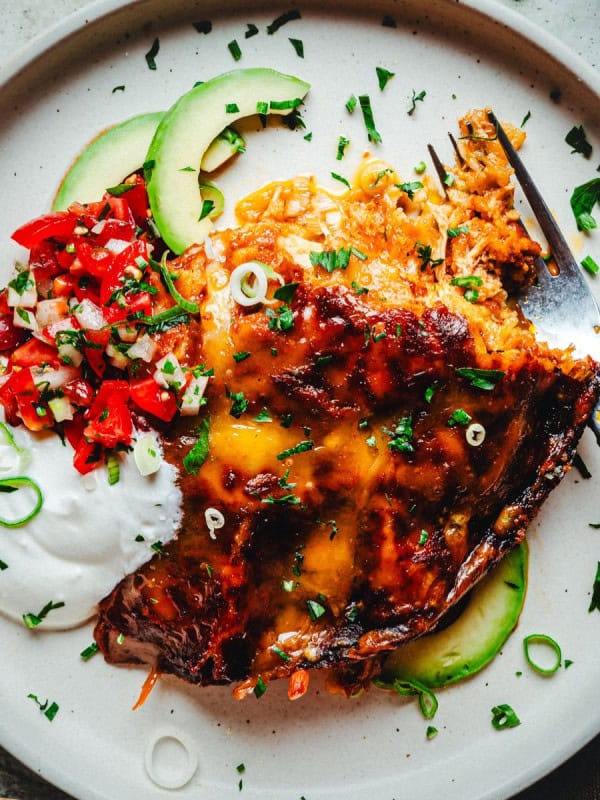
(57, 95)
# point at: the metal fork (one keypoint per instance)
(560, 304)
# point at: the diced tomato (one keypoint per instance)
(4, 307)
(20, 389)
(87, 456)
(151, 397)
(132, 304)
(94, 260)
(10, 336)
(56, 225)
(124, 230)
(137, 200)
(64, 286)
(119, 207)
(109, 418)
(79, 392)
(111, 281)
(43, 262)
(96, 342)
(73, 430)
(64, 259)
(35, 353)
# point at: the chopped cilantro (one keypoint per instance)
(577, 139)
(416, 98)
(280, 319)
(315, 610)
(196, 456)
(454, 232)
(331, 260)
(298, 46)
(260, 688)
(383, 76)
(239, 403)
(583, 200)
(152, 53)
(301, 447)
(286, 292)
(459, 417)
(481, 378)
(410, 188)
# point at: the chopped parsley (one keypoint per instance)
(234, 49)
(367, 112)
(239, 403)
(152, 53)
(285, 292)
(301, 447)
(48, 709)
(503, 716)
(454, 232)
(337, 177)
(260, 688)
(383, 76)
(196, 456)
(281, 319)
(595, 602)
(481, 378)
(424, 252)
(416, 98)
(315, 610)
(282, 20)
(359, 289)
(331, 260)
(577, 139)
(459, 417)
(401, 435)
(410, 188)
(298, 46)
(583, 200)
(343, 143)
(33, 620)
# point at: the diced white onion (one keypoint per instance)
(117, 358)
(190, 403)
(116, 246)
(169, 373)
(28, 298)
(70, 355)
(240, 276)
(144, 348)
(146, 454)
(53, 378)
(214, 250)
(25, 318)
(214, 520)
(61, 408)
(50, 311)
(475, 434)
(88, 314)
(127, 333)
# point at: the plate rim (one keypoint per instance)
(493, 12)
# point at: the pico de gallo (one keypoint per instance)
(81, 324)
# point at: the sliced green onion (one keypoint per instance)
(23, 455)
(89, 651)
(590, 265)
(428, 702)
(548, 642)
(114, 470)
(11, 485)
(186, 305)
(33, 620)
(234, 49)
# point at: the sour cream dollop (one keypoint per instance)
(87, 536)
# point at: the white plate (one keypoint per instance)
(57, 95)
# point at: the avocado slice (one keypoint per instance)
(185, 133)
(474, 638)
(107, 160)
(121, 150)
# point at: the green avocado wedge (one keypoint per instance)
(473, 639)
(186, 132)
(107, 160)
(120, 151)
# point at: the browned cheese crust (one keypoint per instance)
(364, 538)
